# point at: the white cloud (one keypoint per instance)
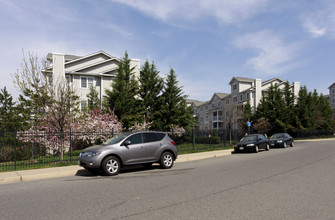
(229, 11)
(321, 21)
(274, 56)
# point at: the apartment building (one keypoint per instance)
(225, 109)
(332, 96)
(82, 72)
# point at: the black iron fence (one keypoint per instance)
(34, 149)
(198, 140)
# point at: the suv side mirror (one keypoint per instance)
(126, 143)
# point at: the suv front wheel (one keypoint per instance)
(166, 160)
(111, 166)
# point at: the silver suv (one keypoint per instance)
(143, 147)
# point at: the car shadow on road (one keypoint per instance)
(127, 169)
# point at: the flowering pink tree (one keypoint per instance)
(91, 124)
(96, 124)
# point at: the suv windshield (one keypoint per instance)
(116, 139)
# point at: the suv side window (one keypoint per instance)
(135, 139)
(152, 137)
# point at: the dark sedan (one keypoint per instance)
(253, 143)
(281, 140)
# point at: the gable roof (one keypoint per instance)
(331, 85)
(92, 55)
(272, 80)
(195, 102)
(241, 79)
(220, 95)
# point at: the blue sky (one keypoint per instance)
(206, 42)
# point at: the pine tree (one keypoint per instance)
(8, 118)
(304, 109)
(151, 86)
(93, 99)
(247, 114)
(123, 98)
(289, 120)
(174, 110)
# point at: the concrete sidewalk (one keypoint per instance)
(54, 172)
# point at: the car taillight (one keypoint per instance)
(174, 143)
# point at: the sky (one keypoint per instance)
(207, 43)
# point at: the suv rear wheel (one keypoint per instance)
(111, 166)
(166, 160)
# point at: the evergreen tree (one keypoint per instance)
(151, 86)
(290, 117)
(8, 116)
(123, 98)
(304, 109)
(323, 114)
(93, 99)
(174, 110)
(271, 108)
(247, 114)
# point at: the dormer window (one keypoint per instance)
(235, 86)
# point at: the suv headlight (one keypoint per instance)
(90, 154)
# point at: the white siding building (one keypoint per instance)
(224, 108)
(82, 72)
(332, 96)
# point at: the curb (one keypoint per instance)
(54, 172)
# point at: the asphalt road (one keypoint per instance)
(291, 183)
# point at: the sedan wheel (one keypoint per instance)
(111, 166)
(284, 144)
(256, 149)
(292, 144)
(267, 147)
(166, 160)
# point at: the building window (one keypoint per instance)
(241, 97)
(248, 95)
(68, 79)
(333, 90)
(235, 99)
(213, 105)
(50, 80)
(201, 109)
(83, 105)
(206, 107)
(235, 86)
(333, 101)
(227, 101)
(86, 82)
(219, 104)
